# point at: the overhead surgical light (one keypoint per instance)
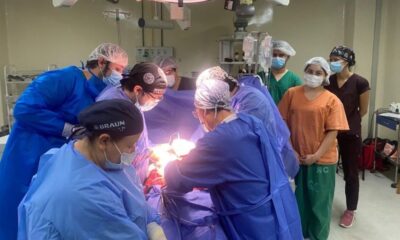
(64, 3)
(280, 2)
(183, 1)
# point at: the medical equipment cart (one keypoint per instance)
(390, 121)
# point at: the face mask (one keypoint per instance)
(278, 62)
(110, 165)
(114, 78)
(126, 158)
(336, 67)
(170, 80)
(313, 81)
(148, 106)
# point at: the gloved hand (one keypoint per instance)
(155, 232)
(67, 131)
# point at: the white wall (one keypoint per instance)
(39, 34)
(3, 56)
(388, 86)
(363, 37)
(391, 53)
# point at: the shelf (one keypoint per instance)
(18, 82)
(230, 40)
(393, 161)
(232, 63)
(389, 123)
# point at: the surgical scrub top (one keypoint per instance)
(72, 198)
(279, 88)
(252, 101)
(325, 112)
(141, 161)
(51, 100)
(246, 180)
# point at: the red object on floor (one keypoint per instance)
(366, 158)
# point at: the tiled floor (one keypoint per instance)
(378, 215)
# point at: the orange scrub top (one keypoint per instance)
(310, 120)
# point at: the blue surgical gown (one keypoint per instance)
(73, 198)
(51, 100)
(141, 162)
(246, 179)
(252, 101)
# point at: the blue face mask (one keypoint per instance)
(113, 166)
(278, 62)
(114, 79)
(336, 67)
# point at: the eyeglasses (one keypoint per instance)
(157, 97)
(169, 71)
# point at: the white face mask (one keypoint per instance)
(170, 80)
(147, 106)
(126, 158)
(313, 81)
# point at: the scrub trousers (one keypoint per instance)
(315, 187)
(350, 148)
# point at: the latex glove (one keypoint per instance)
(67, 131)
(155, 232)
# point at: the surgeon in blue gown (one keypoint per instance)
(44, 116)
(143, 86)
(237, 162)
(88, 189)
(250, 100)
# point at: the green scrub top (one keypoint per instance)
(278, 88)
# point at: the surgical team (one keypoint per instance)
(79, 151)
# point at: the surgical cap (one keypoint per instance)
(147, 75)
(117, 117)
(345, 53)
(324, 65)
(110, 52)
(212, 95)
(165, 62)
(213, 73)
(284, 47)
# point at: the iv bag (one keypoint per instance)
(265, 53)
(248, 49)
